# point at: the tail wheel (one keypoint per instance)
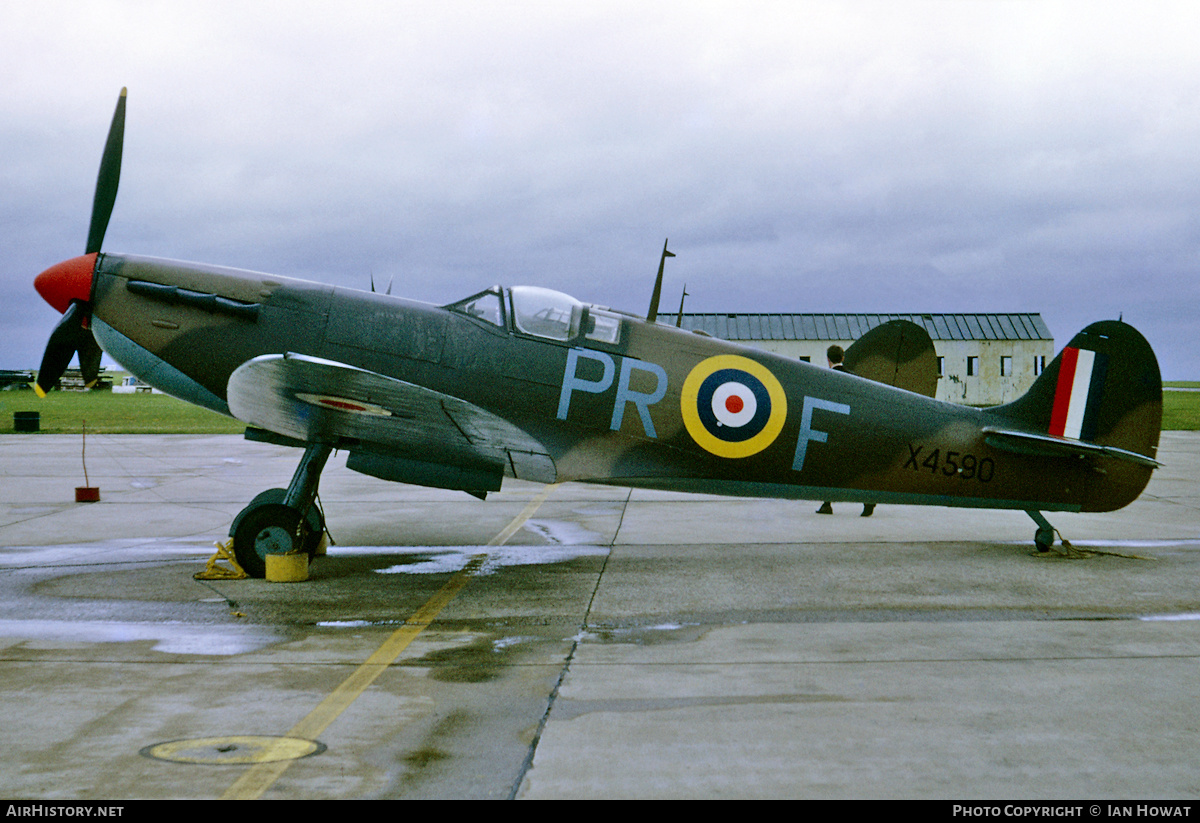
(1043, 538)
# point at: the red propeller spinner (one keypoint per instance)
(67, 281)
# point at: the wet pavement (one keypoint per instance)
(617, 644)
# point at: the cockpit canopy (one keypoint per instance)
(540, 312)
(545, 312)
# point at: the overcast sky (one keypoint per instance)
(801, 156)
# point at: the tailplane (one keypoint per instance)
(899, 353)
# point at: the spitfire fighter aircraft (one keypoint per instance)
(530, 383)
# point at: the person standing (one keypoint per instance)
(835, 355)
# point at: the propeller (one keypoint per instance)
(67, 286)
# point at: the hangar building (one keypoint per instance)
(983, 359)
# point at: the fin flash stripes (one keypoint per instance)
(1077, 397)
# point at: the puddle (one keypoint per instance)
(1145, 543)
(105, 551)
(439, 560)
(643, 635)
(170, 638)
(473, 660)
(1137, 544)
(1153, 617)
(562, 533)
(502, 643)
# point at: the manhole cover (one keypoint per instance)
(237, 750)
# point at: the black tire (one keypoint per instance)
(268, 528)
(268, 496)
(314, 526)
(1043, 539)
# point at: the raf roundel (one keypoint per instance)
(732, 406)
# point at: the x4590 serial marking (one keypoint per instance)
(966, 466)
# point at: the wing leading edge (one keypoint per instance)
(389, 425)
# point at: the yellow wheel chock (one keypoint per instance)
(213, 571)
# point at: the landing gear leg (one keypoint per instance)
(282, 520)
(1043, 538)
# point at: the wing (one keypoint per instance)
(391, 426)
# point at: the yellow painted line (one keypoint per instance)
(526, 513)
(252, 784)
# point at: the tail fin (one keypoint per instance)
(1102, 396)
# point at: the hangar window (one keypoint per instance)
(1039, 363)
(545, 312)
(941, 366)
(1006, 369)
(972, 366)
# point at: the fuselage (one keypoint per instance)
(612, 398)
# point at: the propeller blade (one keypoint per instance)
(89, 358)
(64, 341)
(107, 180)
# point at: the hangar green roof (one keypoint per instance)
(781, 326)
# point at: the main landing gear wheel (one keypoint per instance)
(267, 526)
(270, 528)
(282, 520)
